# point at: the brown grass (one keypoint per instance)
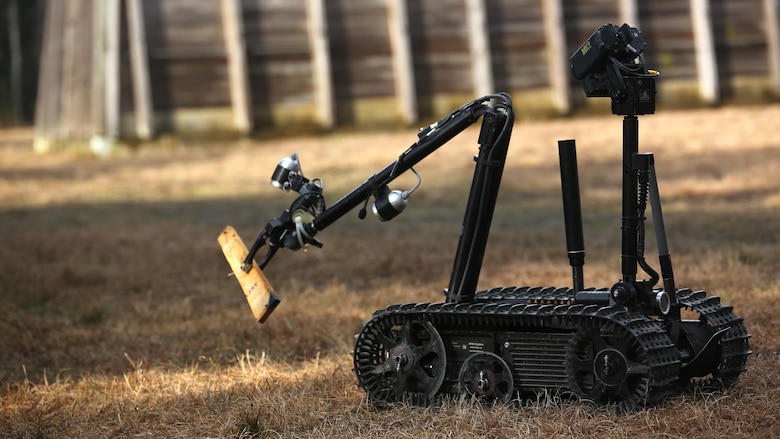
(119, 319)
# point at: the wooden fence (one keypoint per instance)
(131, 68)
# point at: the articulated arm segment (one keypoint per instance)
(494, 143)
(431, 139)
(298, 225)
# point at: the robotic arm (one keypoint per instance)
(298, 225)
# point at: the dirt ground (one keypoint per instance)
(119, 318)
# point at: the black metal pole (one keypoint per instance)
(630, 220)
(572, 211)
(665, 259)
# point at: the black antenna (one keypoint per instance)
(572, 211)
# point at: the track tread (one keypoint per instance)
(526, 308)
(734, 344)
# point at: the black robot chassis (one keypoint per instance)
(523, 341)
(621, 347)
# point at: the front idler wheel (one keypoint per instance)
(400, 360)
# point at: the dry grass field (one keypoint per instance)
(118, 318)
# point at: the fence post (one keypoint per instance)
(704, 43)
(14, 43)
(139, 64)
(773, 41)
(319, 42)
(557, 54)
(73, 79)
(47, 102)
(479, 47)
(97, 111)
(111, 73)
(238, 75)
(629, 12)
(403, 67)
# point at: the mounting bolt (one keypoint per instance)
(622, 293)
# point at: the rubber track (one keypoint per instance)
(734, 345)
(523, 308)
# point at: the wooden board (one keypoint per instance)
(257, 289)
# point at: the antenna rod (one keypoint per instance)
(572, 211)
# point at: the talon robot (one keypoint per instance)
(621, 347)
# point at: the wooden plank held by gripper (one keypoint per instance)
(258, 291)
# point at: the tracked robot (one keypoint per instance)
(622, 347)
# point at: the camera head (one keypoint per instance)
(609, 64)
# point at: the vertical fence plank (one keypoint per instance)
(706, 61)
(479, 46)
(319, 42)
(238, 73)
(69, 92)
(15, 47)
(403, 67)
(111, 76)
(47, 104)
(773, 41)
(557, 54)
(139, 65)
(629, 12)
(97, 101)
